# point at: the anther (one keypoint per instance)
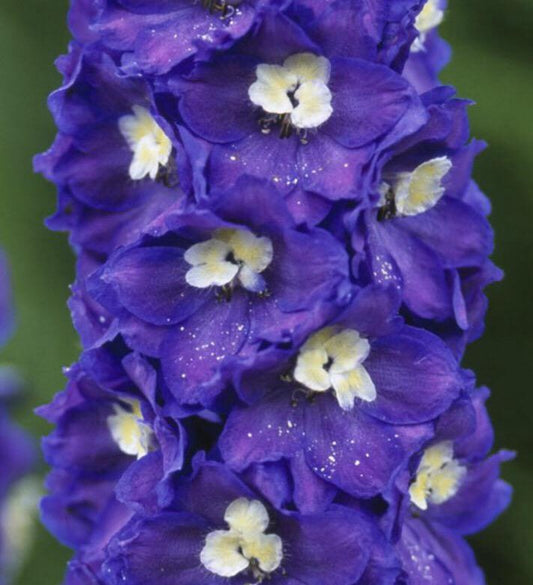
(285, 126)
(388, 211)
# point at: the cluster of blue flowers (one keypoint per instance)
(281, 257)
(16, 450)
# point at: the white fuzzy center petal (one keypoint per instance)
(419, 190)
(438, 477)
(244, 545)
(298, 88)
(333, 359)
(228, 255)
(132, 435)
(151, 147)
(429, 18)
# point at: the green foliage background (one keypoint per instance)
(491, 64)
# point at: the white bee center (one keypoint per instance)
(244, 545)
(419, 190)
(230, 254)
(438, 477)
(298, 88)
(429, 18)
(332, 359)
(129, 431)
(151, 147)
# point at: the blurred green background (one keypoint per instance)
(492, 65)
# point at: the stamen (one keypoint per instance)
(224, 7)
(224, 293)
(388, 210)
(285, 126)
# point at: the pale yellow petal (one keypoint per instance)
(308, 67)
(221, 555)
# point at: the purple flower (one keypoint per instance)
(280, 105)
(456, 483)
(111, 148)
(353, 403)
(426, 193)
(219, 530)
(281, 256)
(131, 452)
(214, 285)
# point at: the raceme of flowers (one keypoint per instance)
(281, 258)
(17, 493)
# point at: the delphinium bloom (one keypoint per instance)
(281, 257)
(422, 192)
(16, 455)
(453, 490)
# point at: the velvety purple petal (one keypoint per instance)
(434, 554)
(276, 38)
(196, 495)
(193, 352)
(332, 168)
(341, 30)
(368, 100)
(311, 493)
(307, 208)
(425, 289)
(215, 109)
(167, 545)
(354, 451)
(105, 232)
(137, 487)
(473, 240)
(324, 549)
(150, 283)
(274, 322)
(372, 312)
(423, 67)
(272, 480)
(162, 40)
(255, 203)
(78, 573)
(73, 507)
(266, 431)
(259, 155)
(316, 259)
(66, 447)
(481, 498)
(458, 423)
(478, 444)
(416, 377)
(141, 336)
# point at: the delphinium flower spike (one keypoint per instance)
(281, 258)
